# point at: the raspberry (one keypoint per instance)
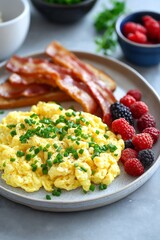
(118, 110)
(135, 93)
(146, 121)
(127, 100)
(134, 167)
(122, 127)
(147, 18)
(142, 141)
(152, 27)
(127, 154)
(138, 109)
(146, 157)
(128, 144)
(141, 28)
(137, 37)
(129, 27)
(153, 132)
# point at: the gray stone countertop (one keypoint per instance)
(136, 217)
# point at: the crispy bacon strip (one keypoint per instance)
(7, 90)
(30, 67)
(19, 80)
(63, 57)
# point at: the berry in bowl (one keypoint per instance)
(139, 37)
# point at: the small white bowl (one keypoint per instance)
(14, 27)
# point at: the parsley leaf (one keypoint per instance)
(105, 27)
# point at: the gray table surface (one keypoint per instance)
(135, 217)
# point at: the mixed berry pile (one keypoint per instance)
(147, 33)
(130, 111)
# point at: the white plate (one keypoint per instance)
(126, 78)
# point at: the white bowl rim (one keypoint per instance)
(118, 22)
(26, 9)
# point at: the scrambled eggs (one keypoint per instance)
(52, 147)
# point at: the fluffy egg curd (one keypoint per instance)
(52, 147)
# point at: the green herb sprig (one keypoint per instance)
(105, 27)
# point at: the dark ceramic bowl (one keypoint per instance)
(139, 54)
(62, 13)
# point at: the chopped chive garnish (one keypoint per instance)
(93, 172)
(91, 144)
(73, 138)
(55, 145)
(10, 126)
(29, 121)
(28, 157)
(20, 154)
(81, 151)
(12, 159)
(97, 132)
(112, 147)
(92, 187)
(66, 154)
(77, 121)
(75, 155)
(45, 149)
(48, 145)
(37, 150)
(49, 163)
(106, 136)
(23, 138)
(96, 154)
(48, 197)
(59, 149)
(60, 108)
(22, 126)
(44, 169)
(34, 167)
(49, 155)
(58, 158)
(73, 114)
(56, 192)
(77, 142)
(32, 148)
(4, 164)
(85, 136)
(83, 169)
(102, 186)
(13, 133)
(46, 121)
(68, 114)
(34, 115)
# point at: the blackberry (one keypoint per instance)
(128, 144)
(146, 157)
(118, 110)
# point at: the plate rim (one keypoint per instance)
(142, 179)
